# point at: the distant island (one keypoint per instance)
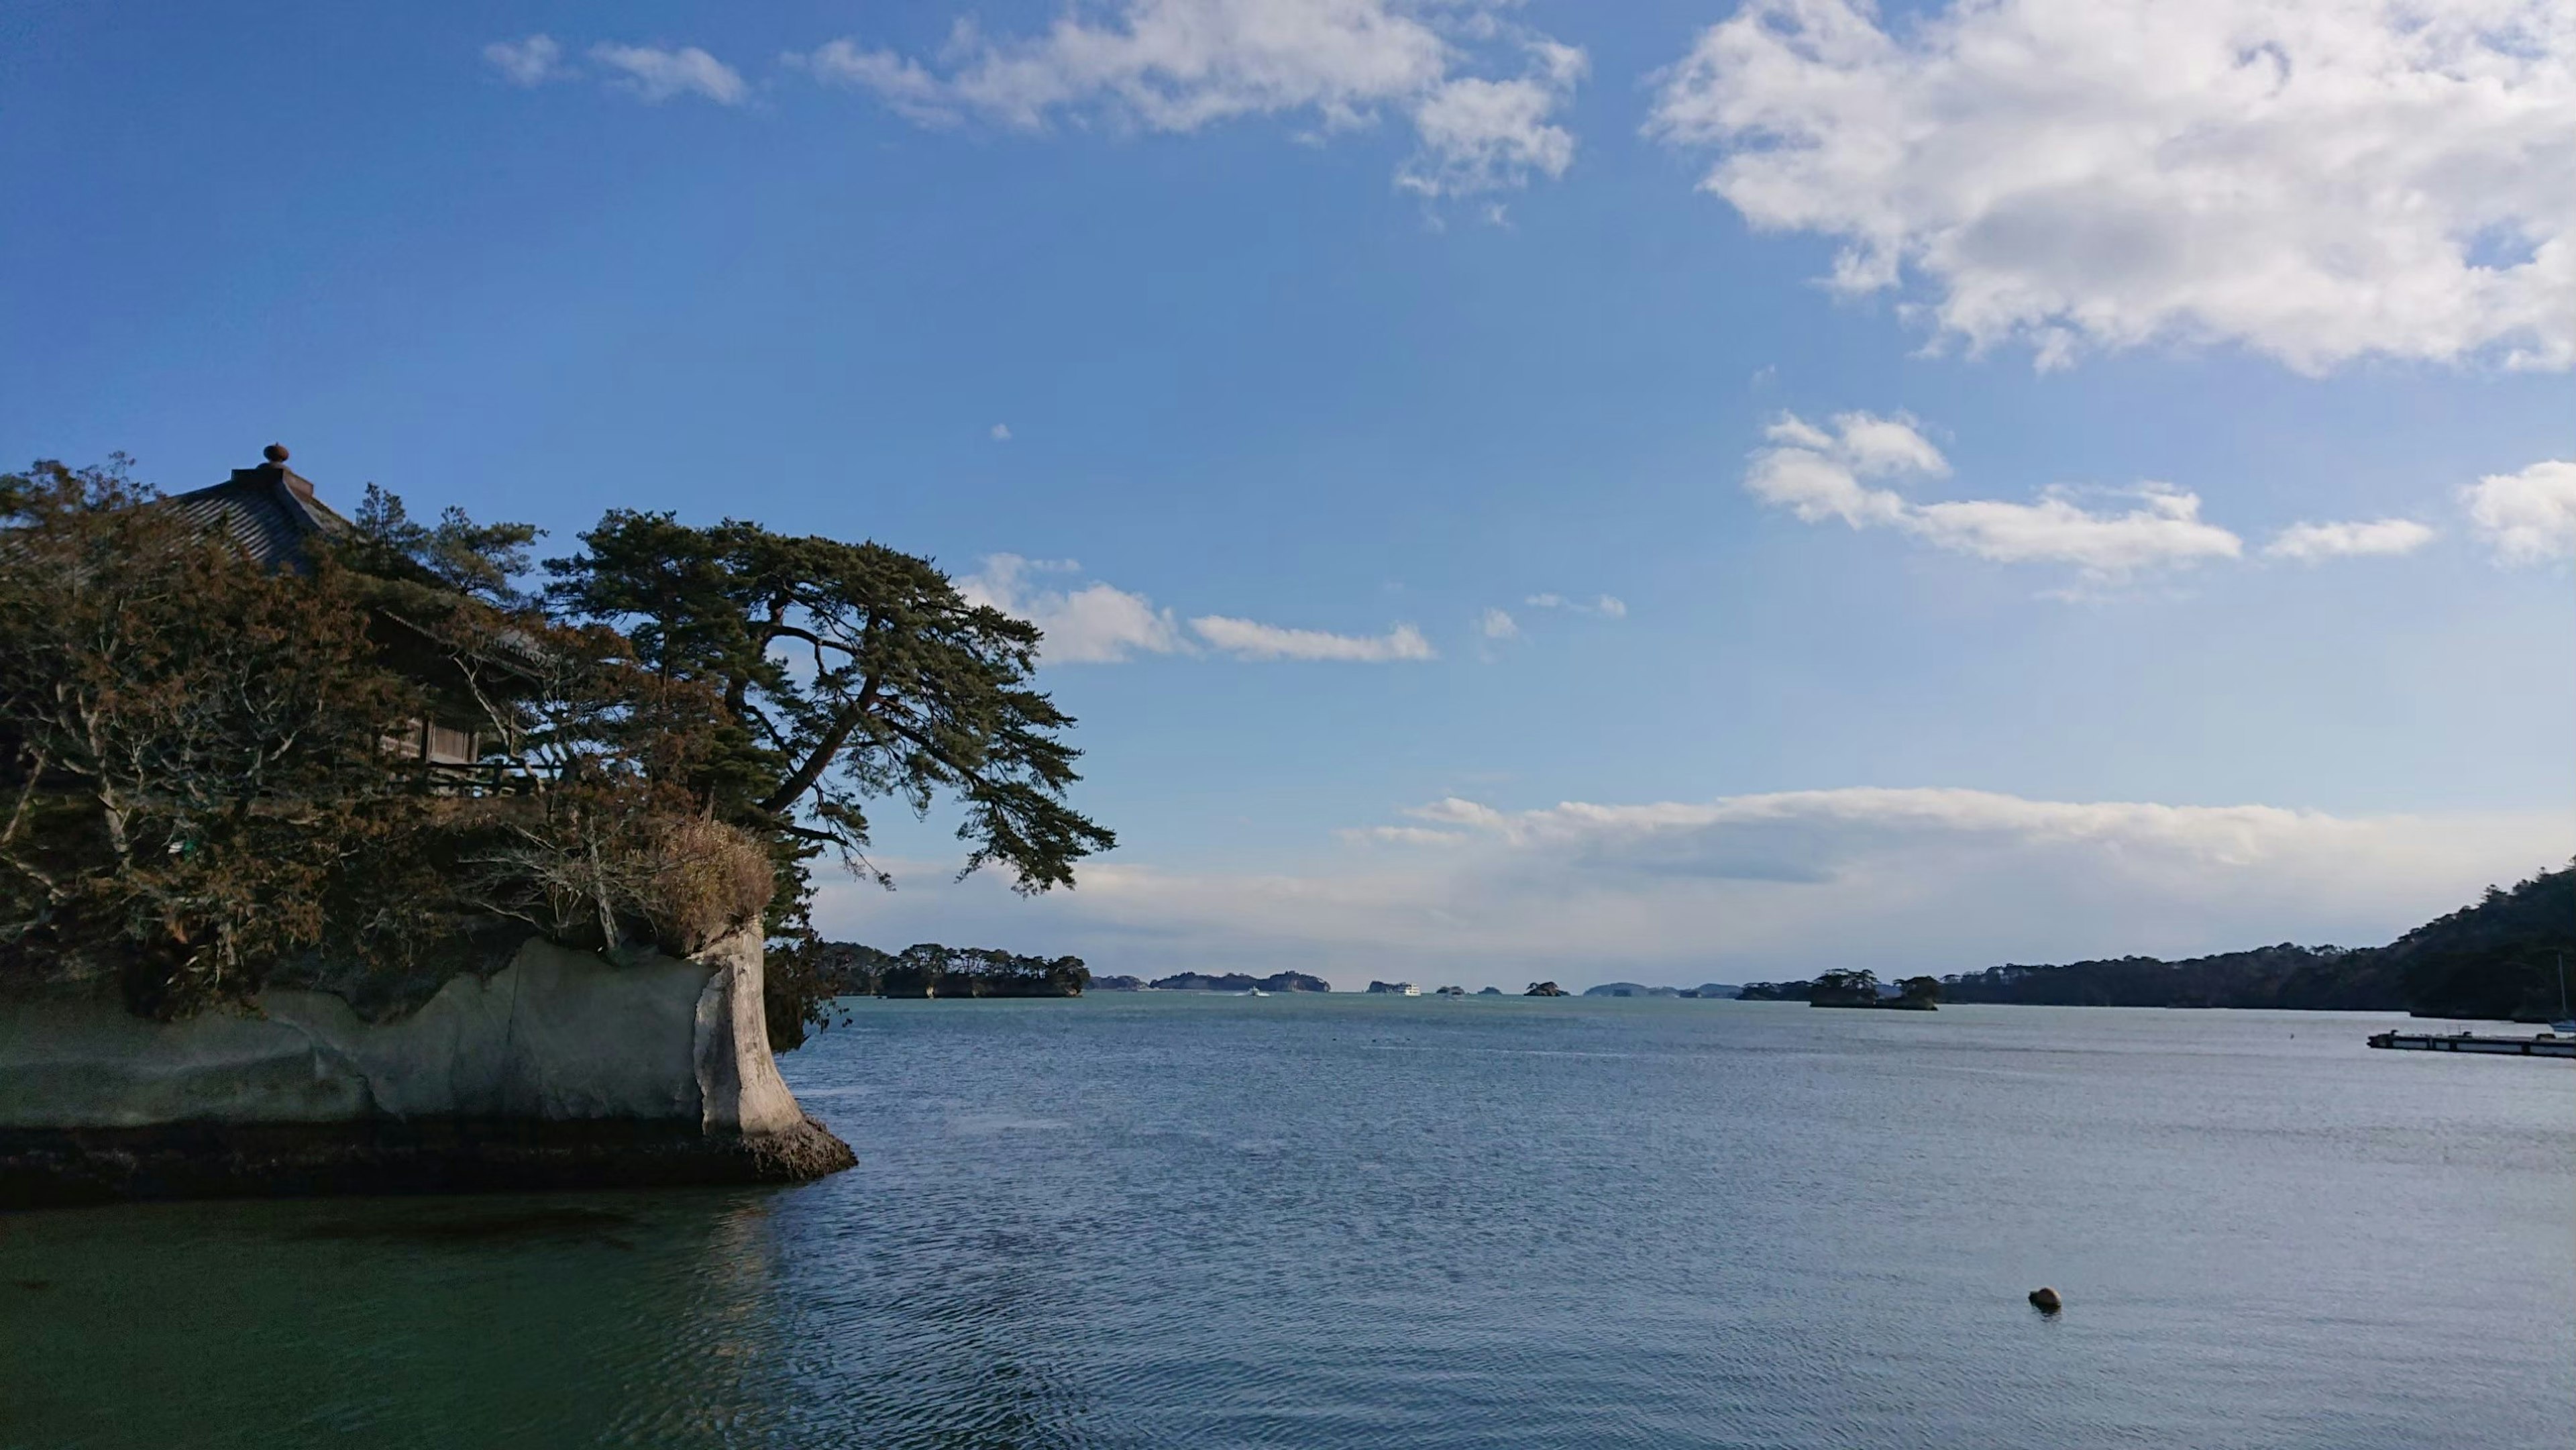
(2495, 960)
(1851, 989)
(927, 969)
(1238, 982)
(1861, 989)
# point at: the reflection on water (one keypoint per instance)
(632, 1319)
(543, 1219)
(1158, 1222)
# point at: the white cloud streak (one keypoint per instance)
(2313, 543)
(1497, 624)
(2318, 180)
(2527, 516)
(655, 75)
(901, 85)
(1607, 606)
(1755, 886)
(1248, 639)
(1821, 473)
(531, 61)
(1180, 65)
(1094, 624)
(1097, 623)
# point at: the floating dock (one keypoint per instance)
(2540, 1046)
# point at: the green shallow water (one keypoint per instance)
(1345, 1222)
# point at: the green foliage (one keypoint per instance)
(852, 673)
(482, 562)
(1845, 988)
(2496, 959)
(203, 785)
(2493, 960)
(2273, 976)
(841, 674)
(927, 969)
(931, 970)
(188, 747)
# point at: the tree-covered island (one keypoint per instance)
(321, 786)
(1850, 988)
(2498, 958)
(927, 969)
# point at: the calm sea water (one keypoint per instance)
(1200, 1222)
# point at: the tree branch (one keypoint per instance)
(825, 750)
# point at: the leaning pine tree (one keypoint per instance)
(842, 674)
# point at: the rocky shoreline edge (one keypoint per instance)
(76, 1167)
(562, 1070)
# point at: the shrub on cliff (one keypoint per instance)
(600, 865)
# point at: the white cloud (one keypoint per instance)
(1179, 65)
(659, 75)
(2309, 543)
(1495, 624)
(1095, 624)
(1607, 606)
(1748, 887)
(531, 61)
(1817, 474)
(1247, 639)
(1001, 433)
(901, 84)
(2165, 529)
(1482, 135)
(2527, 516)
(2318, 180)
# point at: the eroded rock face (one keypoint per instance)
(739, 1089)
(561, 1069)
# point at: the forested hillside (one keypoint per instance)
(2494, 959)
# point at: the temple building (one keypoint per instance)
(273, 513)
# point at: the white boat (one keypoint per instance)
(1256, 992)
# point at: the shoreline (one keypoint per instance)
(87, 1167)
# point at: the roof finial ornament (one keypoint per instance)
(274, 453)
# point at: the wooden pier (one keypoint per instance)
(2539, 1046)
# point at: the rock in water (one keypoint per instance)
(2045, 1300)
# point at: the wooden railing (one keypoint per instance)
(480, 777)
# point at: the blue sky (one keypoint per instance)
(1379, 320)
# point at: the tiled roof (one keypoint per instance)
(269, 510)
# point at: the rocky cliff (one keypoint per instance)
(560, 1070)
